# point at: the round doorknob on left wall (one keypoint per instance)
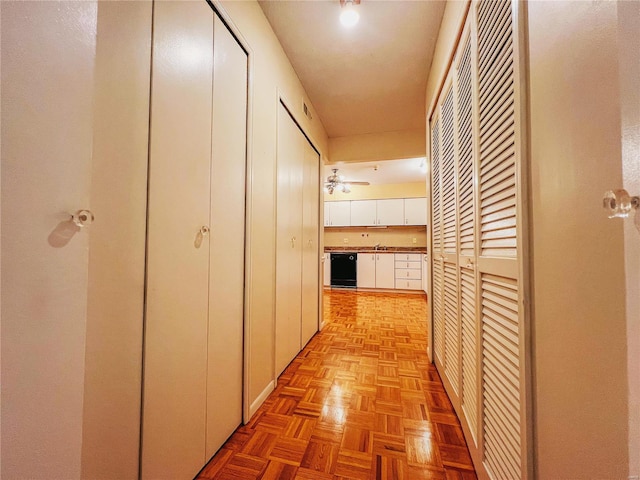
(82, 218)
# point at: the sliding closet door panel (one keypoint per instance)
(289, 237)
(311, 234)
(226, 278)
(175, 366)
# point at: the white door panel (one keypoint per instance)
(227, 223)
(175, 379)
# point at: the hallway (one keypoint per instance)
(361, 401)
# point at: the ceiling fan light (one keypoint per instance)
(349, 16)
(346, 188)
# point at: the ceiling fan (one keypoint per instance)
(337, 182)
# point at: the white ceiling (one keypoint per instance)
(378, 173)
(370, 78)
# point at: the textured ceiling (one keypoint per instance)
(369, 78)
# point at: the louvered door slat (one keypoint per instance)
(465, 155)
(438, 314)
(435, 187)
(469, 345)
(499, 423)
(491, 13)
(492, 36)
(498, 141)
(497, 127)
(452, 335)
(497, 119)
(494, 57)
(501, 382)
(448, 174)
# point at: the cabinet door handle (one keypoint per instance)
(293, 242)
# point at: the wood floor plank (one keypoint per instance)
(360, 402)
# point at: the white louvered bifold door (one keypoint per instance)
(467, 232)
(477, 241)
(503, 391)
(450, 243)
(436, 236)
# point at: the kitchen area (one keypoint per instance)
(375, 230)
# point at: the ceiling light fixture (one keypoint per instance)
(349, 15)
(337, 183)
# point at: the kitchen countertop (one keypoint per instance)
(379, 250)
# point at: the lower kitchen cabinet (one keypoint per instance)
(376, 270)
(408, 271)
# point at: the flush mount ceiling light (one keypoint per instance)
(349, 15)
(337, 182)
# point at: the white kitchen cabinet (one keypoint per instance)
(337, 214)
(390, 211)
(415, 211)
(408, 271)
(363, 213)
(425, 267)
(366, 270)
(375, 270)
(385, 270)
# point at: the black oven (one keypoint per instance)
(343, 269)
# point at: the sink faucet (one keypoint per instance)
(376, 246)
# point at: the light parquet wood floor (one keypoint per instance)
(360, 402)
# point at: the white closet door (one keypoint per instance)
(436, 239)
(450, 244)
(175, 360)
(226, 272)
(503, 432)
(311, 239)
(467, 235)
(289, 239)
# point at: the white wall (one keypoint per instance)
(47, 93)
(579, 321)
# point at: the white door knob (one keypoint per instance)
(83, 218)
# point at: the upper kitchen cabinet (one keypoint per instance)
(337, 214)
(415, 211)
(363, 213)
(390, 212)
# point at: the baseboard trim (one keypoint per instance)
(257, 403)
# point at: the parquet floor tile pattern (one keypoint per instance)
(360, 402)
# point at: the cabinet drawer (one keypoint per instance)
(403, 284)
(404, 264)
(408, 257)
(408, 273)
